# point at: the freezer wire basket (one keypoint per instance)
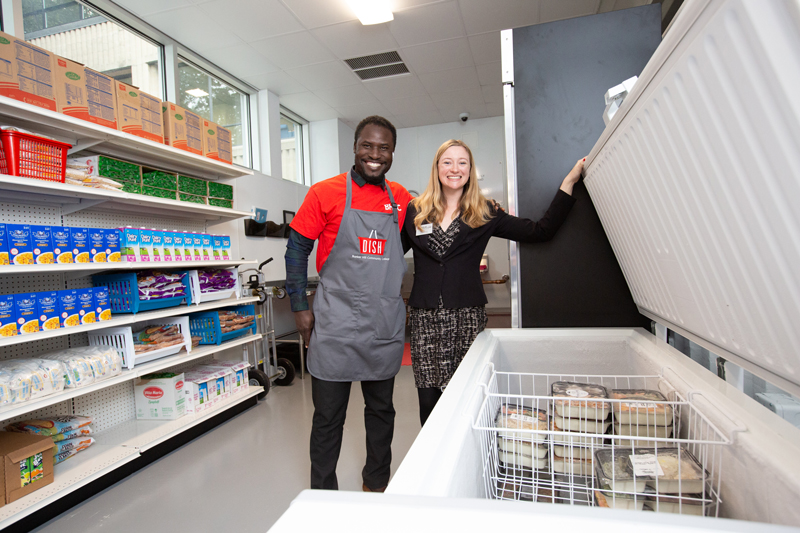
(643, 447)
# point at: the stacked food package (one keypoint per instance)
(520, 450)
(578, 410)
(154, 338)
(156, 285)
(78, 173)
(210, 383)
(641, 416)
(232, 321)
(87, 364)
(70, 434)
(215, 280)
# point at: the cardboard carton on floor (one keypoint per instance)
(26, 72)
(27, 463)
(182, 128)
(139, 113)
(85, 94)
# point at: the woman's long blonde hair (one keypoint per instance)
(431, 206)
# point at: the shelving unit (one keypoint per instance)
(120, 438)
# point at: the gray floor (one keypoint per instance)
(242, 475)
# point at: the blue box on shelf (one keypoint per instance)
(206, 325)
(123, 293)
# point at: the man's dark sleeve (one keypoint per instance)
(298, 248)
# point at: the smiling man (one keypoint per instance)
(356, 330)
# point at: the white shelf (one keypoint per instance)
(84, 269)
(72, 198)
(124, 320)
(112, 142)
(144, 434)
(12, 410)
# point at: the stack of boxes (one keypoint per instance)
(128, 174)
(151, 245)
(160, 184)
(192, 190)
(220, 194)
(26, 313)
(28, 244)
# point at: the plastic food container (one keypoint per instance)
(575, 467)
(581, 400)
(512, 416)
(615, 500)
(514, 460)
(640, 431)
(522, 447)
(613, 470)
(677, 470)
(583, 425)
(573, 452)
(641, 409)
(578, 439)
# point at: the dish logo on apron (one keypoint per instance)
(370, 245)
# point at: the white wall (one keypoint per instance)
(413, 157)
(331, 148)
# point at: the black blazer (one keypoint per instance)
(456, 275)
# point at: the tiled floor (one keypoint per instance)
(242, 475)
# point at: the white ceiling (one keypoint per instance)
(297, 48)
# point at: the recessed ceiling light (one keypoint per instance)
(199, 93)
(372, 11)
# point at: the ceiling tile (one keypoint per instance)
(447, 80)
(414, 120)
(458, 101)
(309, 106)
(346, 96)
(404, 86)
(293, 50)
(443, 55)
(353, 39)
(495, 109)
(485, 47)
(148, 7)
(357, 112)
(252, 20)
(481, 15)
(565, 9)
(399, 5)
(191, 27)
(433, 22)
(475, 111)
(492, 93)
(324, 75)
(416, 104)
(278, 82)
(490, 73)
(316, 13)
(240, 60)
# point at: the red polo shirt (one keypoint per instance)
(321, 213)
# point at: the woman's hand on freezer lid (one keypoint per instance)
(573, 176)
(304, 320)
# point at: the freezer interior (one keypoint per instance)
(749, 461)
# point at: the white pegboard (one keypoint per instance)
(59, 409)
(101, 219)
(30, 214)
(17, 283)
(108, 407)
(34, 348)
(83, 282)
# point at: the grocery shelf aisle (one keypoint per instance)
(242, 475)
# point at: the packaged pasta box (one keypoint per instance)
(102, 304)
(177, 246)
(145, 245)
(27, 313)
(208, 247)
(62, 244)
(111, 243)
(8, 316)
(225, 251)
(3, 245)
(216, 241)
(168, 245)
(97, 246)
(158, 246)
(86, 305)
(68, 309)
(129, 244)
(80, 245)
(42, 244)
(197, 251)
(47, 303)
(19, 244)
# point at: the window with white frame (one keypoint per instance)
(293, 148)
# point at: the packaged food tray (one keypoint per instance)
(122, 339)
(123, 294)
(206, 325)
(31, 156)
(193, 277)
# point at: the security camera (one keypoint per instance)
(464, 117)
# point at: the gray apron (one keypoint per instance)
(359, 313)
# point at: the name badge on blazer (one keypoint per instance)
(425, 229)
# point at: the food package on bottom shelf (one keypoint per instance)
(154, 338)
(28, 464)
(199, 391)
(67, 448)
(76, 433)
(156, 285)
(30, 379)
(160, 396)
(215, 280)
(221, 378)
(87, 364)
(232, 321)
(57, 425)
(239, 378)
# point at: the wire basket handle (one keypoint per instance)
(732, 424)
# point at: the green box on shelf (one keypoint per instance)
(220, 190)
(158, 193)
(186, 197)
(194, 186)
(159, 179)
(221, 202)
(100, 165)
(134, 188)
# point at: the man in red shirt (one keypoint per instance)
(356, 330)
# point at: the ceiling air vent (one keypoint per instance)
(377, 65)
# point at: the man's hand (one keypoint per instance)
(305, 323)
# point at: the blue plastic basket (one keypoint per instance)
(123, 294)
(206, 325)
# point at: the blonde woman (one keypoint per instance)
(448, 227)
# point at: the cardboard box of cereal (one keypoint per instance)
(188, 246)
(160, 396)
(182, 128)
(177, 246)
(48, 310)
(62, 244)
(145, 245)
(129, 244)
(20, 249)
(208, 247)
(26, 72)
(41, 240)
(169, 245)
(84, 93)
(216, 248)
(139, 113)
(97, 245)
(27, 313)
(197, 247)
(102, 304)
(158, 245)
(86, 305)
(111, 243)
(80, 245)
(8, 316)
(226, 247)
(68, 310)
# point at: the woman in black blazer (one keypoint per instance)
(448, 227)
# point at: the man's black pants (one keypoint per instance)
(330, 408)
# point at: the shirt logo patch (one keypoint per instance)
(388, 207)
(372, 245)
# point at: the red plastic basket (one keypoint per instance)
(31, 156)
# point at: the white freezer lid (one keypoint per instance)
(697, 185)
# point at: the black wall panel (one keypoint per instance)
(561, 72)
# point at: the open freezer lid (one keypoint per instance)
(697, 185)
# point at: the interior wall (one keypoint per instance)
(413, 157)
(330, 148)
